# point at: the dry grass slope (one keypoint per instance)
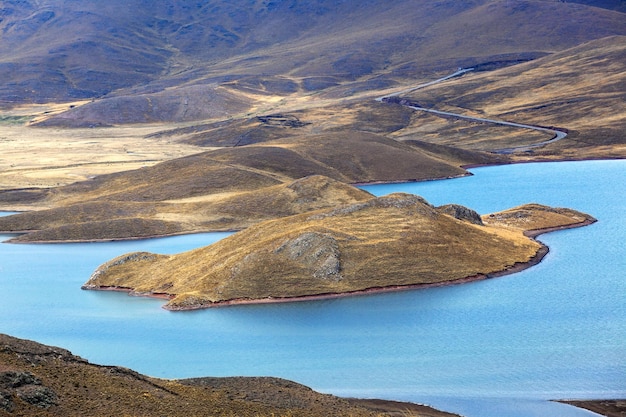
(608, 408)
(46, 381)
(580, 89)
(110, 220)
(392, 241)
(229, 188)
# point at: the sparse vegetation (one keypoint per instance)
(386, 242)
(39, 380)
(14, 120)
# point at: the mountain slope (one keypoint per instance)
(58, 51)
(580, 89)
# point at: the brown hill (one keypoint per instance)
(104, 220)
(184, 104)
(608, 408)
(39, 380)
(580, 89)
(362, 115)
(388, 242)
(229, 188)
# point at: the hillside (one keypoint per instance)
(388, 242)
(105, 220)
(148, 83)
(580, 89)
(228, 188)
(47, 381)
(608, 408)
(190, 60)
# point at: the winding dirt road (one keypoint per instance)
(556, 134)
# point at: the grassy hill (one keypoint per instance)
(580, 89)
(386, 242)
(228, 188)
(47, 381)
(220, 211)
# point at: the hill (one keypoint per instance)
(608, 408)
(48, 381)
(387, 242)
(105, 220)
(228, 188)
(580, 89)
(224, 74)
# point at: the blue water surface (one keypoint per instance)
(499, 347)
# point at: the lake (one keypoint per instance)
(499, 347)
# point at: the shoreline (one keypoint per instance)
(105, 240)
(604, 407)
(517, 267)
(543, 160)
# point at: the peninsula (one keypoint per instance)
(387, 243)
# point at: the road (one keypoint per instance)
(556, 134)
(458, 73)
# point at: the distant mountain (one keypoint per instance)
(153, 60)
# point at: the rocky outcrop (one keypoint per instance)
(121, 260)
(461, 213)
(284, 120)
(26, 387)
(396, 200)
(317, 251)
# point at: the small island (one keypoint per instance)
(389, 243)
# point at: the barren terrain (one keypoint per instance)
(382, 243)
(47, 381)
(44, 158)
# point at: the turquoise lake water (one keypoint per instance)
(495, 348)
